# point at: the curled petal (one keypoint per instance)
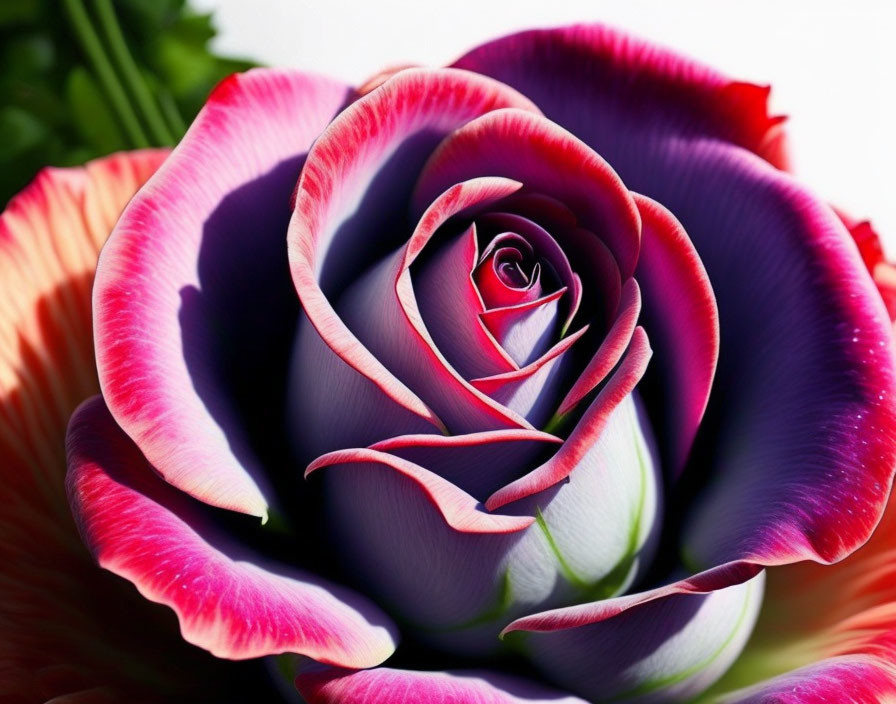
(681, 313)
(421, 544)
(667, 648)
(457, 572)
(451, 307)
(163, 322)
(802, 435)
(532, 390)
(538, 153)
(354, 183)
(459, 510)
(614, 345)
(145, 531)
(412, 687)
(527, 330)
(478, 463)
(587, 431)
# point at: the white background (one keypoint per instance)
(832, 65)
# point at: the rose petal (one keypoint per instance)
(451, 305)
(802, 432)
(668, 648)
(381, 308)
(61, 620)
(681, 314)
(532, 391)
(546, 247)
(545, 158)
(589, 428)
(458, 573)
(174, 296)
(614, 345)
(354, 183)
(478, 463)
(145, 531)
(860, 678)
(411, 687)
(526, 331)
(590, 77)
(421, 544)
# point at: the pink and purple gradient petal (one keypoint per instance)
(354, 183)
(146, 531)
(547, 159)
(161, 313)
(801, 428)
(386, 685)
(589, 428)
(681, 314)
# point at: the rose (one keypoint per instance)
(198, 419)
(423, 369)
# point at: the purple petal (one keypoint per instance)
(354, 188)
(173, 295)
(545, 158)
(802, 424)
(680, 312)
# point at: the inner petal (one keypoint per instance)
(508, 272)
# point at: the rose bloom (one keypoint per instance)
(525, 380)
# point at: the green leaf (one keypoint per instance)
(91, 113)
(20, 131)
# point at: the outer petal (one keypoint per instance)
(666, 649)
(354, 191)
(825, 629)
(60, 619)
(410, 687)
(852, 679)
(803, 439)
(571, 72)
(175, 305)
(681, 314)
(143, 530)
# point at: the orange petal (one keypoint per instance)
(60, 616)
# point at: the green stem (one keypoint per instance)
(133, 78)
(90, 42)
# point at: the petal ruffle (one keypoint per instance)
(147, 532)
(386, 685)
(175, 306)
